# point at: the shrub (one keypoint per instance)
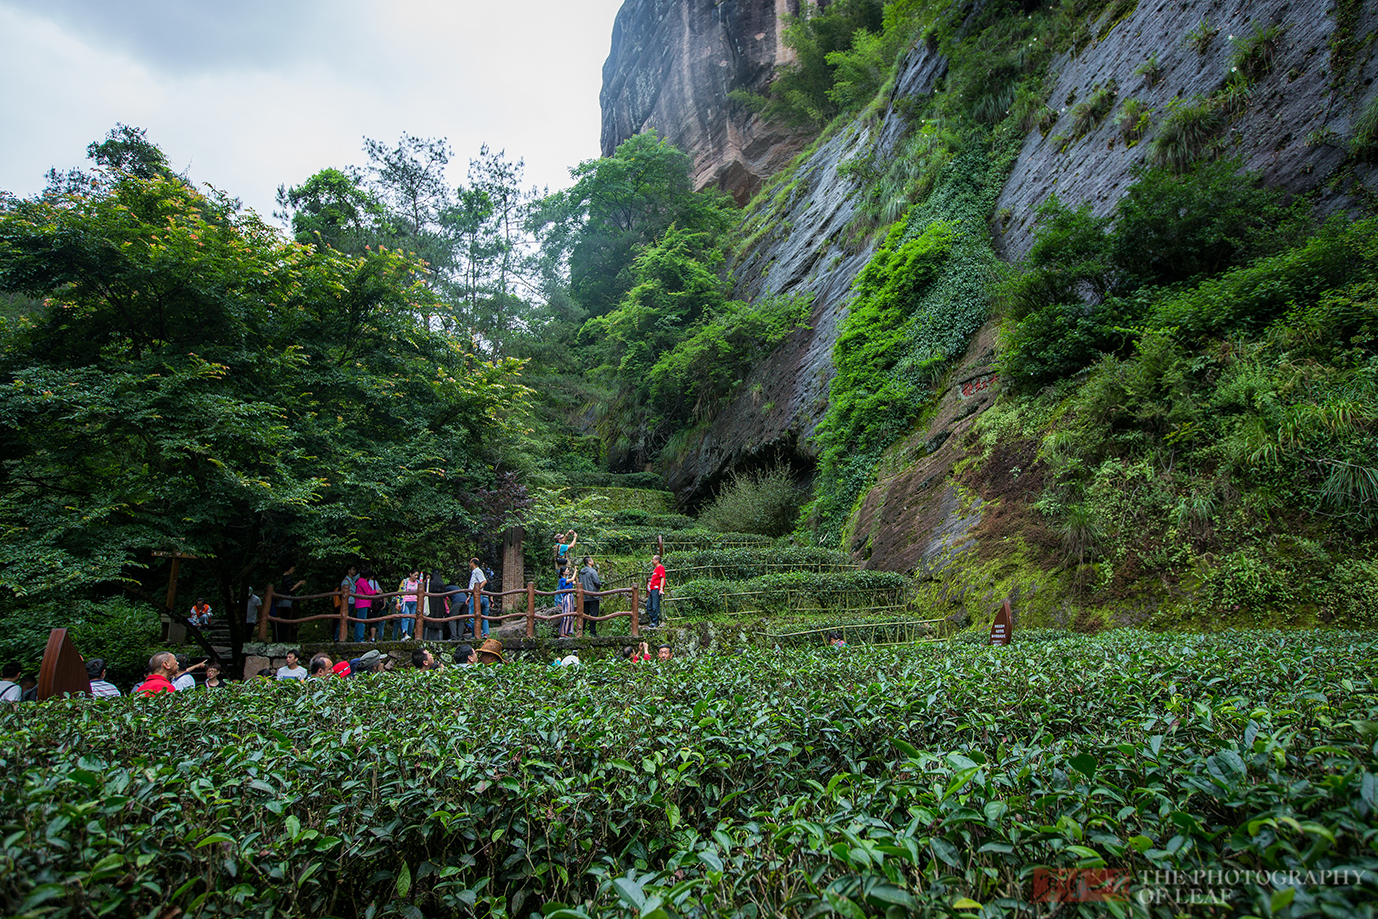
(745, 784)
(783, 593)
(1248, 298)
(746, 563)
(765, 502)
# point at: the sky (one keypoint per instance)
(246, 95)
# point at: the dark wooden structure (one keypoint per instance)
(63, 670)
(1002, 629)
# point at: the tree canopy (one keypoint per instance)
(195, 382)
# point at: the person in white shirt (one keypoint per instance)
(251, 610)
(477, 578)
(293, 670)
(100, 689)
(185, 678)
(10, 690)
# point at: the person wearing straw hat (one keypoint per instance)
(490, 652)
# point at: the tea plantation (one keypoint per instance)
(933, 780)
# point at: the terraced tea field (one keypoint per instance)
(1178, 774)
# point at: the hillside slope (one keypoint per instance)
(1137, 84)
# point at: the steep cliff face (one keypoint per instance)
(1292, 128)
(1293, 124)
(803, 248)
(671, 67)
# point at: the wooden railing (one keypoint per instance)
(344, 615)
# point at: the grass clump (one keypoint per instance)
(1363, 145)
(1152, 71)
(765, 502)
(1190, 132)
(1133, 120)
(1202, 35)
(1256, 53)
(1089, 113)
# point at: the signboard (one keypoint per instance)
(63, 670)
(1002, 629)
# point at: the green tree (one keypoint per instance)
(195, 382)
(332, 209)
(616, 205)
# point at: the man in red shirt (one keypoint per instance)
(162, 667)
(654, 587)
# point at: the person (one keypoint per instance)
(438, 606)
(654, 588)
(288, 584)
(369, 662)
(213, 680)
(569, 660)
(640, 654)
(200, 615)
(663, 653)
(292, 670)
(265, 675)
(477, 578)
(10, 690)
(592, 583)
(465, 656)
(162, 668)
(406, 604)
(346, 596)
(185, 679)
(321, 667)
(490, 652)
(364, 589)
(100, 687)
(565, 598)
(422, 659)
(835, 640)
(251, 611)
(562, 548)
(342, 669)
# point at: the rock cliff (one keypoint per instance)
(1296, 121)
(671, 67)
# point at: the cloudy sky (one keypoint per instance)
(248, 94)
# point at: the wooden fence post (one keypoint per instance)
(579, 609)
(530, 609)
(636, 614)
(343, 632)
(476, 606)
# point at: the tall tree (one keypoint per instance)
(616, 205)
(195, 382)
(333, 209)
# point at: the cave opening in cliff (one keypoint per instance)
(780, 457)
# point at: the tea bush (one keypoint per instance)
(790, 592)
(744, 564)
(928, 781)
